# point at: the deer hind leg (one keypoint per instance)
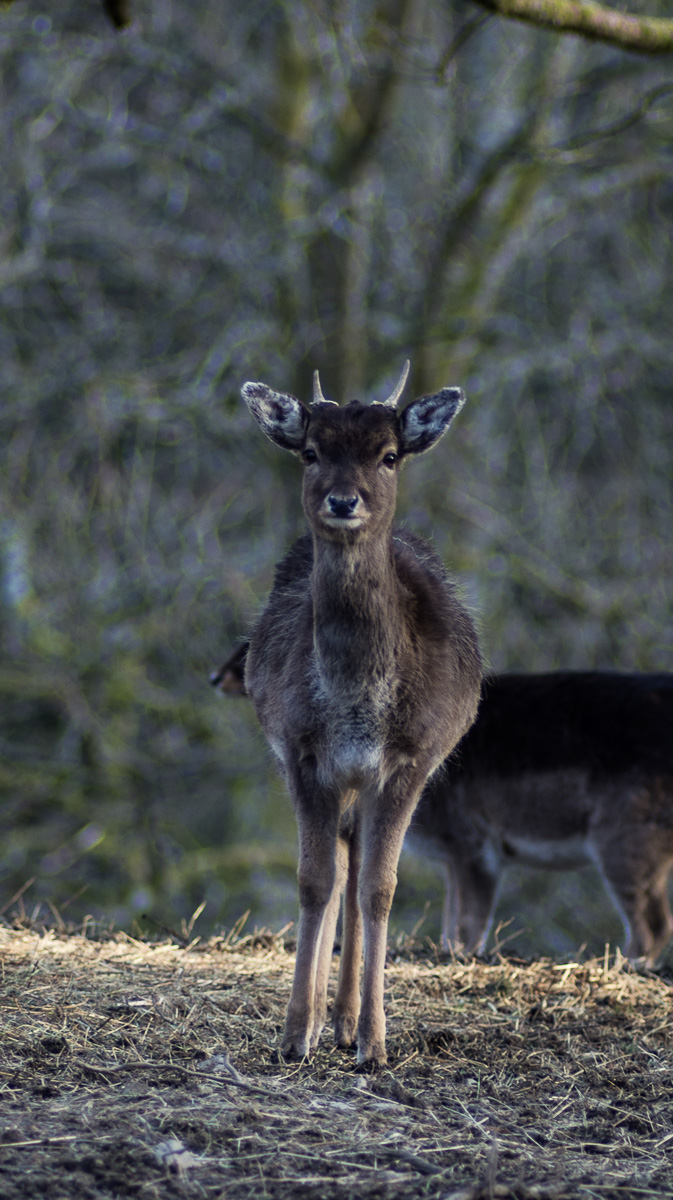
(637, 882)
(347, 1004)
(469, 903)
(477, 887)
(317, 875)
(658, 917)
(326, 946)
(450, 908)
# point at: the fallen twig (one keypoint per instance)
(233, 1079)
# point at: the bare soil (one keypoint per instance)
(130, 1069)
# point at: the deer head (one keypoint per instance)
(352, 455)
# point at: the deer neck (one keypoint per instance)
(356, 614)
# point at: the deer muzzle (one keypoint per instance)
(342, 507)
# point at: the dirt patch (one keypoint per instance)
(130, 1069)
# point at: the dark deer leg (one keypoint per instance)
(347, 1003)
(318, 818)
(326, 947)
(450, 908)
(468, 908)
(637, 884)
(658, 915)
(385, 818)
(477, 888)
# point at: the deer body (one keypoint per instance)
(559, 770)
(364, 670)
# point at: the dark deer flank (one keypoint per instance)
(365, 672)
(559, 770)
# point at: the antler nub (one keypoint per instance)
(318, 397)
(394, 396)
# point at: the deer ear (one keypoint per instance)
(281, 417)
(424, 421)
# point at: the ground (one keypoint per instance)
(130, 1069)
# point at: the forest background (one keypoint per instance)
(226, 192)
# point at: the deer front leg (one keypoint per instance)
(326, 946)
(347, 1003)
(318, 826)
(385, 821)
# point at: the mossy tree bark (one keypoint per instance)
(646, 35)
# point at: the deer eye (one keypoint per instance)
(390, 459)
(309, 456)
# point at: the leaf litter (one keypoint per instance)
(131, 1068)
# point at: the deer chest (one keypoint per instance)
(354, 738)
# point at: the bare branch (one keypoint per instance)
(567, 151)
(456, 45)
(455, 224)
(374, 103)
(646, 35)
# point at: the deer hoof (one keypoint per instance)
(293, 1053)
(371, 1058)
(345, 1031)
(295, 1045)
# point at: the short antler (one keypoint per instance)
(391, 402)
(318, 397)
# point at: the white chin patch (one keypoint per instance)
(342, 522)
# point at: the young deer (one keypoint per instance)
(365, 672)
(559, 770)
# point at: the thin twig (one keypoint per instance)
(233, 1080)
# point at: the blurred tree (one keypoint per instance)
(228, 193)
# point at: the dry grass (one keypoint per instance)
(130, 1069)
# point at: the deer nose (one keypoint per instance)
(342, 506)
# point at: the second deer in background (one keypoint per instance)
(559, 770)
